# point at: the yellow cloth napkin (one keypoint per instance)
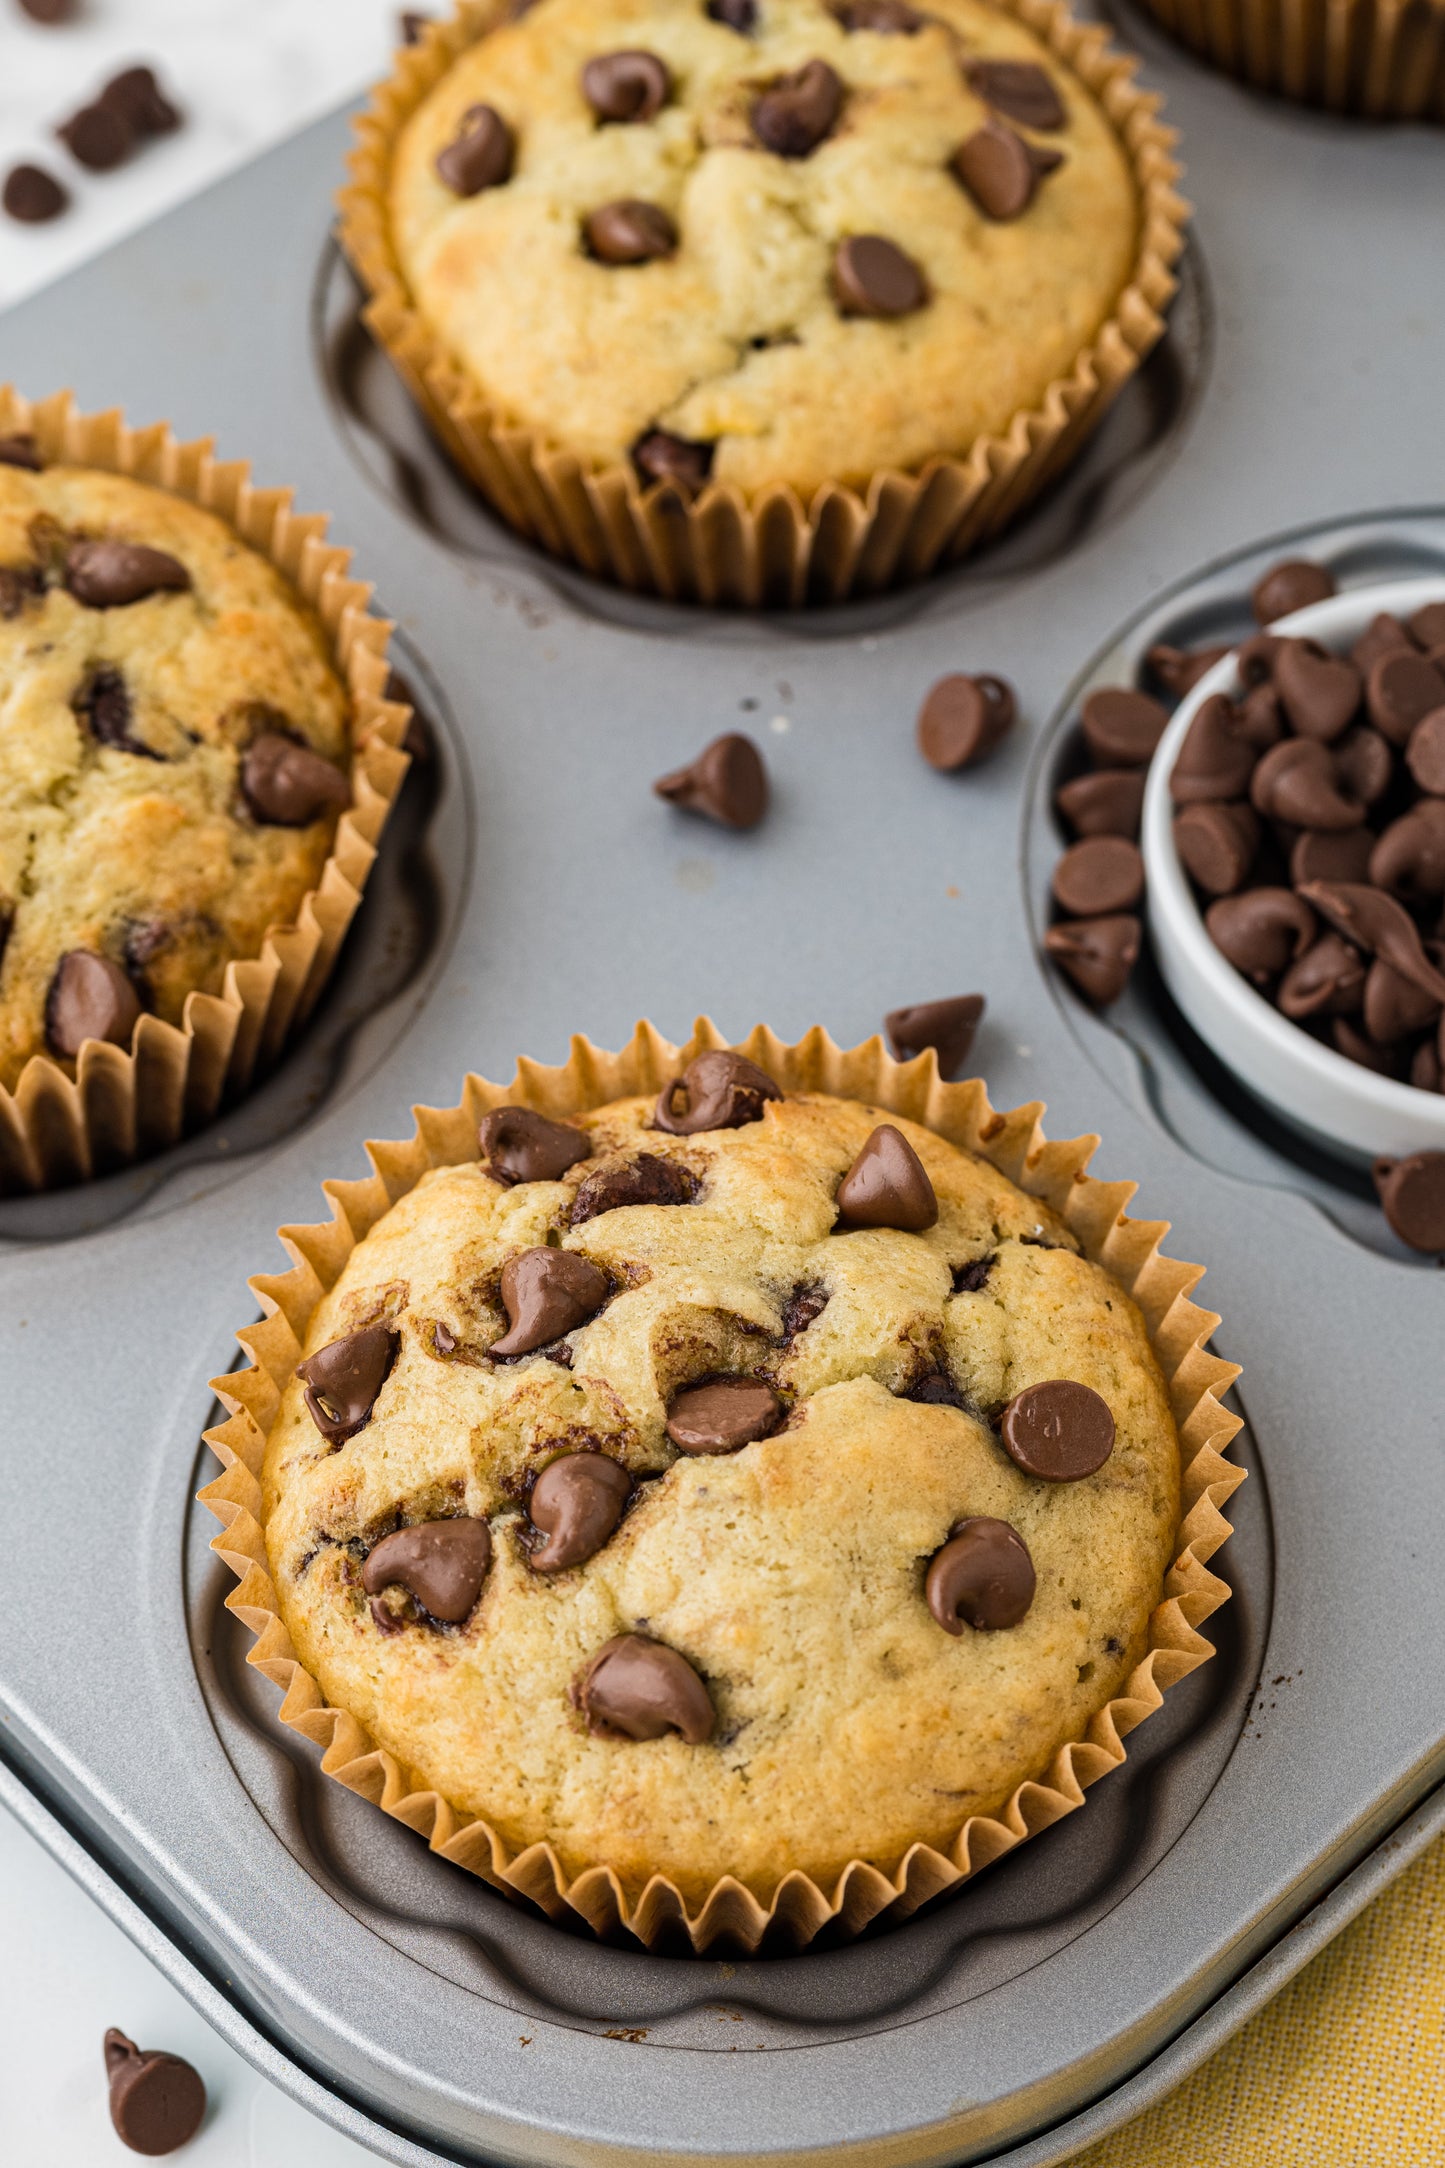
(1345, 2069)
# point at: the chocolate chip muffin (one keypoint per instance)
(728, 1483)
(174, 754)
(762, 241)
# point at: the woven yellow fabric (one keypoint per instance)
(1345, 2069)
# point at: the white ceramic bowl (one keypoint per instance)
(1335, 1102)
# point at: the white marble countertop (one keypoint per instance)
(245, 73)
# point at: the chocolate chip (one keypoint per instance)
(1328, 980)
(1365, 764)
(141, 103)
(739, 15)
(1018, 88)
(1261, 932)
(1425, 1068)
(110, 575)
(1000, 171)
(1384, 635)
(17, 588)
(885, 18)
(1261, 718)
(547, 1293)
(659, 456)
(1375, 921)
(630, 231)
(441, 1563)
(727, 783)
(937, 1390)
(1400, 691)
(1409, 858)
(32, 196)
(343, 1379)
(157, 2101)
(806, 1302)
(287, 785)
(98, 137)
(1217, 845)
(20, 449)
(638, 1688)
(1291, 585)
(1254, 658)
(970, 1278)
(1320, 692)
(1179, 669)
(50, 11)
(1098, 877)
(522, 1146)
(1098, 954)
(643, 1180)
(1412, 1194)
(720, 1090)
(90, 998)
(626, 86)
(1298, 781)
(576, 1503)
(1427, 625)
(413, 25)
(797, 112)
(1058, 1430)
(983, 1577)
(1121, 727)
(873, 277)
(480, 156)
(1425, 753)
(946, 1026)
(1355, 1047)
(103, 704)
(1319, 854)
(1394, 1008)
(1110, 802)
(888, 1186)
(723, 1416)
(963, 718)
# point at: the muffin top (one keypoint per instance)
(736, 1500)
(174, 750)
(832, 241)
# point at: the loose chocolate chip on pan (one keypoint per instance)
(1320, 692)
(109, 574)
(1179, 669)
(792, 117)
(1018, 88)
(90, 998)
(638, 1688)
(520, 1145)
(343, 1379)
(19, 449)
(1098, 877)
(98, 137)
(1400, 691)
(104, 706)
(1261, 932)
(1328, 980)
(983, 1577)
(1395, 1008)
(659, 456)
(141, 103)
(441, 1563)
(576, 1503)
(1288, 586)
(1109, 802)
(1121, 727)
(547, 1293)
(480, 156)
(647, 1179)
(887, 1186)
(287, 785)
(727, 783)
(157, 2101)
(723, 1415)
(1321, 854)
(1375, 921)
(1217, 845)
(947, 1026)
(719, 1090)
(1412, 1195)
(32, 196)
(1409, 858)
(873, 277)
(1298, 781)
(1059, 1430)
(739, 15)
(1000, 171)
(1425, 753)
(963, 718)
(1098, 954)
(626, 86)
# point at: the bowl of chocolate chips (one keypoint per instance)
(1294, 839)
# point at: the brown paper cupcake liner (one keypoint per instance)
(1381, 59)
(769, 550)
(797, 1910)
(121, 1105)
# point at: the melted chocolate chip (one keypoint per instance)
(1019, 89)
(723, 1415)
(157, 2101)
(1412, 1194)
(1059, 1430)
(970, 1278)
(1098, 954)
(547, 1293)
(32, 197)
(630, 231)
(1110, 802)
(638, 1688)
(937, 1390)
(17, 587)
(482, 154)
(90, 998)
(1099, 877)
(344, 1378)
(576, 1503)
(1121, 727)
(659, 456)
(522, 1146)
(983, 1577)
(963, 718)
(643, 1180)
(888, 1186)
(19, 449)
(287, 785)
(109, 574)
(739, 15)
(796, 113)
(946, 1026)
(1289, 586)
(626, 86)
(1261, 932)
(873, 277)
(103, 705)
(806, 1302)
(441, 1563)
(721, 1090)
(727, 783)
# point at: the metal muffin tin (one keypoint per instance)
(532, 887)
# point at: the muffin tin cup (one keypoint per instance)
(65, 1122)
(1381, 59)
(771, 549)
(797, 1910)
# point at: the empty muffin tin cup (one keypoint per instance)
(794, 1911)
(1334, 1102)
